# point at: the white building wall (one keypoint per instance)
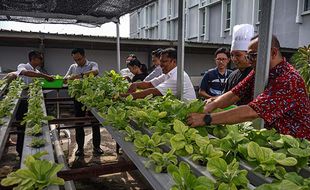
(57, 60)
(290, 33)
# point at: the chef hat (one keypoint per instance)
(241, 37)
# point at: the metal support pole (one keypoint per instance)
(118, 47)
(180, 61)
(264, 48)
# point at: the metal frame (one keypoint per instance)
(27, 150)
(79, 18)
(180, 60)
(158, 181)
(5, 129)
(264, 47)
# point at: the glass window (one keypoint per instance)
(259, 12)
(203, 28)
(307, 5)
(228, 14)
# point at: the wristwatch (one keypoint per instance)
(207, 119)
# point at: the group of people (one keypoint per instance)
(81, 67)
(283, 105)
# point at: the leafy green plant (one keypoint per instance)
(301, 60)
(206, 152)
(297, 148)
(117, 117)
(185, 180)
(37, 142)
(267, 160)
(131, 134)
(160, 161)
(291, 181)
(7, 103)
(37, 175)
(36, 130)
(184, 139)
(228, 175)
(146, 117)
(229, 144)
(145, 145)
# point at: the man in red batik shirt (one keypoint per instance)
(284, 104)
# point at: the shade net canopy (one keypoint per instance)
(83, 12)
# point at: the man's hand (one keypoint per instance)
(124, 95)
(49, 78)
(132, 88)
(209, 106)
(195, 119)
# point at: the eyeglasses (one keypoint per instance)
(220, 59)
(251, 56)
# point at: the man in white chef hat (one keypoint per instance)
(241, 38)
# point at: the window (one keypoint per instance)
(139, 20)
(228, 14)
(259, 11)
(170, 7)
(203, 27)
(307, 5)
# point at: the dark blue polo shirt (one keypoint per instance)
(213, 82)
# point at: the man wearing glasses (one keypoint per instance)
(81, 67)
(283, 105)
(214, 80)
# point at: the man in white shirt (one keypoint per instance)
(77, 70)
(168, 80)
(156, 62)
(82, 66)
(27, 71)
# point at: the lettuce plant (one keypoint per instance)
(185, 180)
(37, 175)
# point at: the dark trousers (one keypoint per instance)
(79, 131)
(22, 109)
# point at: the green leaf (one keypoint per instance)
(179, 127)
(203, 183)
(291, 141)
(217, 166)
(57, 181)
(158, 169)
(184, 169)
(299, 152)
(202, 141)
(189, 148)
(9, 181)
(254, 150)
(289, 161)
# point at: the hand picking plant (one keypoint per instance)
(37, 175)
(185, 180)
